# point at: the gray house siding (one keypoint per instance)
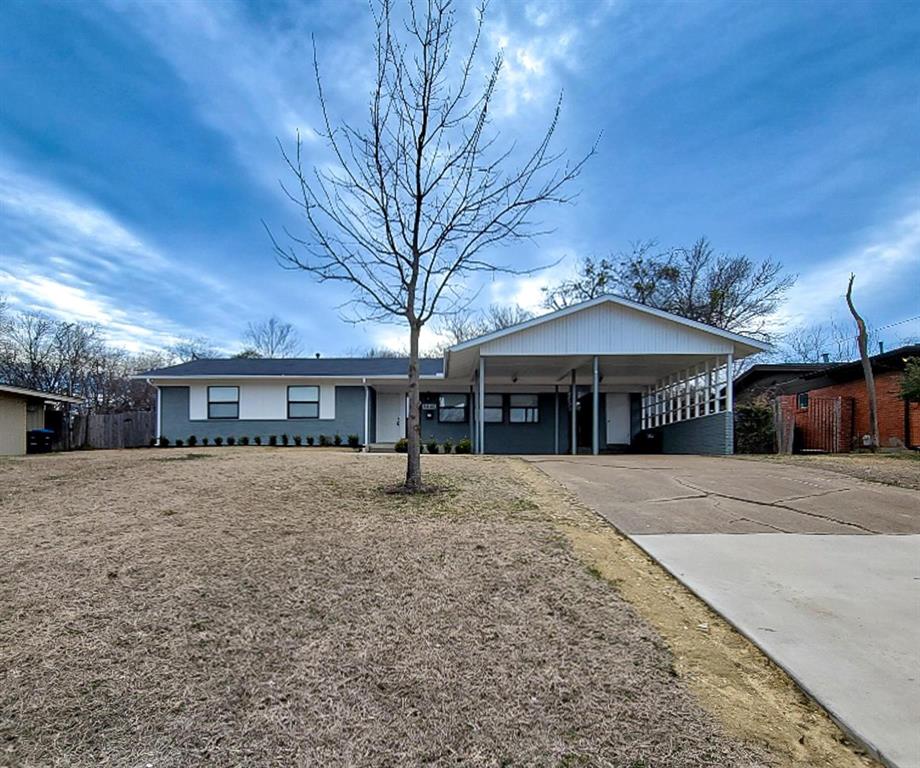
(175, 422)
(712, 434)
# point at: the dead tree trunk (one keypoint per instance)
(863, 341)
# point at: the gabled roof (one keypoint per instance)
(296, 366)
(828, 375)
(777, 372)
(37, 395)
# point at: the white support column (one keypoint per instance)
(715, 386)
(159, 415)
(574, 424)
(556, 422)
(729, 382)
(471, 419)
(595, 407)
(367, 416)
(482, 405)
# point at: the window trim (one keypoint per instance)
(801, 401)
(535, 408)
(462, 407)
(289, 401)
(224, 402)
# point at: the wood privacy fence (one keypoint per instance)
(820, 424)
(132, 429)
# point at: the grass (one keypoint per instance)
(898, 468)
(278, 608)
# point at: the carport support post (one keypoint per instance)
(556, 424)
(595, 408)
(367, 416)
(574, 415)
(482, 404)
(729, 382)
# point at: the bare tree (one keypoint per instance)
(463, 326)
(273, 338)
(863, 341)
(186, 350)
(421, 197)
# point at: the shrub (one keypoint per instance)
(284, 439)
(179, 443)
(273, 440)
(257, 439)
(231, 441)
(192, 440)
(153, 442)
(432, 446)
(337, 439)
(354, 442)
(218, 441)
(448, 446)
(164, 442)
(205, 440)
(754, 430)
(402, 445)
(324, 440)
(464, 446)
(910, 382)
(244, 440)
(297, 439)
(310, 440)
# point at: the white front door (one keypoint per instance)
(391, 416)
(618, 432)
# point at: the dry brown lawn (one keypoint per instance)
(901, 469)
(274, 607)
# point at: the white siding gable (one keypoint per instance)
(608, 329)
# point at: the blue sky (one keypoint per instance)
(138, 156)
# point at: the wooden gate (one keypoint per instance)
(132, 429)
(814, 424)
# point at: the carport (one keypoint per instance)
(22, 410)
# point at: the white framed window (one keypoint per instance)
(493, 409)
(223, 402)
(451, 409)
(523, 409)
(303, 402)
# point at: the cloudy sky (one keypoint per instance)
(138, 155)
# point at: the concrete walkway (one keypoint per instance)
(825, 578)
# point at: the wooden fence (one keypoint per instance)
(820, 424)
(132, 429)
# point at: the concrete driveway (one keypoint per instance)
(820, 570)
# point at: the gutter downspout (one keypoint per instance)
(159, 412)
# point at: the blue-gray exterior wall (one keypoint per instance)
(175, 422)
(713, 434)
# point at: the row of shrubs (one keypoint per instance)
(324, 441)
(433, 446)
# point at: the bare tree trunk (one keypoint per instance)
(413, 431)
(863, 342)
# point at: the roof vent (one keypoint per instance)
(825, 358)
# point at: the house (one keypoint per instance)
(764, 379)
(834, 400)
(23, 410)
(605, 374)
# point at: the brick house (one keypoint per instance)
(830, 407)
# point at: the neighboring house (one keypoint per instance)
(835, 399)
(763, 380)
(23, 410)
(604, 374)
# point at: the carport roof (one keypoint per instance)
(9, 389)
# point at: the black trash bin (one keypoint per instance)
(39, 440)
(647, 441)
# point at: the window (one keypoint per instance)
(802, 400)
(223, 402)
(523, 409)
(493, 409)
(452, 409)
(303, 403)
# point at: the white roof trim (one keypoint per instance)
(34, 393)
(559, 313)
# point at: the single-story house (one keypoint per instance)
(23, 410)
(840, 391)
(605, 374)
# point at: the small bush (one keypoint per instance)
(464, 446)
(273, 440)
(448, 446)
(153, 442)
(205, 440)
(218, 441)
(324, 441)
(310, 440)
(164, 442)
(179, 443)
(754, 430)
(257, 439)
(192, 440)
(231, 441)
(244, 440)
(354, 442)
(337, 439)
(402, 445)
(297, 439)
(432, 446)
(285, 439)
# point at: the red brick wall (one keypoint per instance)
(890, 408)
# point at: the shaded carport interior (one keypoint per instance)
(21, 410)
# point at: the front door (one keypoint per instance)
(391, 416)
(618, 431)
